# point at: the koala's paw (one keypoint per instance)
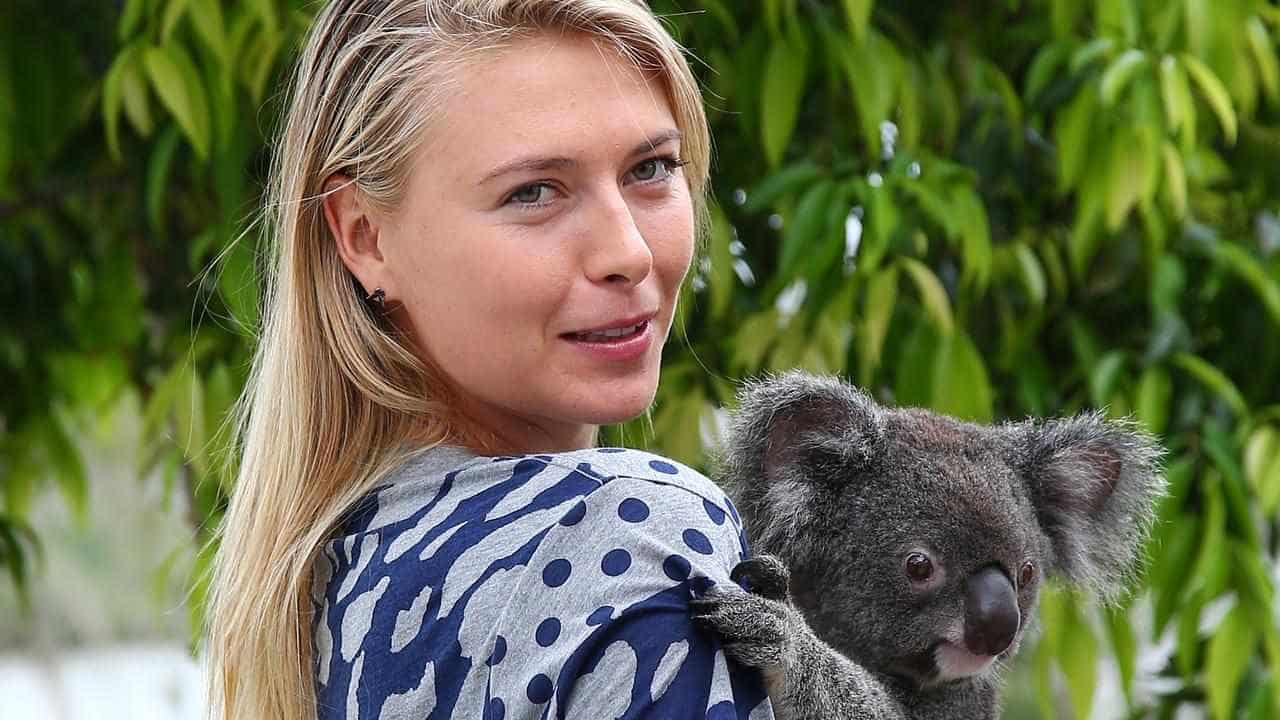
(766, 576)
(754, 629)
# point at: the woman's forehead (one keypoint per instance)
(566, 96)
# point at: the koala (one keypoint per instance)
(900, 551)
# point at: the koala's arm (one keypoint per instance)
(806, 678)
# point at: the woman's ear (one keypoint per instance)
(355, 231)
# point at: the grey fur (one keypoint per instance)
(841, 490)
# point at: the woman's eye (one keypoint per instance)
(532, 194)
(655, 169)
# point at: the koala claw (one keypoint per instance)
(754, 629)
(765, 575)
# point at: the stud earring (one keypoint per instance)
(378, 298)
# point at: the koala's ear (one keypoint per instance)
(794, 436)
(1094, 483)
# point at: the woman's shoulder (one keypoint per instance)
(425, 479)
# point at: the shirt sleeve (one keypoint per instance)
(600, 626)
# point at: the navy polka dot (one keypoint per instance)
(496, 711)
(663, 467)
(499, 651)
(713, 512)
(633, 510)
(575, 514)
(696, 541)
(539, 690)
(556, 572)
(615, 562)
(721, 711)
(676, 568)
(612, 450)
(548, 631)
(600, 615)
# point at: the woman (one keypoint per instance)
(482, 211)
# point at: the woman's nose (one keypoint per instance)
(619, 252)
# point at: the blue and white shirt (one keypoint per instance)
(541, 586)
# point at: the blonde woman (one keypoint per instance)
(482, 212)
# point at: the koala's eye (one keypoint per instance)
(1027, 574)
(919, 567)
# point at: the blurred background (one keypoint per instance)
(995, 209)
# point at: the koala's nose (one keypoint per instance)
(991, 614)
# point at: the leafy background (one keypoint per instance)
(995, 209)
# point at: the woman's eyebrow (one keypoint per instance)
(533, 164)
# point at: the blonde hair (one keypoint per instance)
(336, 398)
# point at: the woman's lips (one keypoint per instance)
(616, 344)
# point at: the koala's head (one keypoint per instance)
(917, 543)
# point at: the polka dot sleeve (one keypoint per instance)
(527, 588)
(600, 627)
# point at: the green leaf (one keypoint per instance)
(172, 15)
(1044, 68)
(877, 311)
(1248, 269)
(976, 236)
(188, 407)
(1222, 450)
(1124, 644)
(130, 18)
(1091, 52)
(1104, 376)
(1252, 577)
(721, 278)
(68, 465)
(1119, 73)
(1175, 179)
(112, 100)
(781, 184)
(1214, 93)
(133, 89)
(158, 176)
(1175, 93)
(1173, 564)
(1130, 174)
(1213, 379)
(932, 295)
(178, 85)
(238, 284)
(1073, 135)
(805, 227)
(858, 14)
(1078, 657)
(784, 79)
(1262, 466)
(1231, 647)
(1031, 273)
(206, 18)
(752, 341)
(960, 386)
(1264, 54)
(1213, 564)
(1152, 399)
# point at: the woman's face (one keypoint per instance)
(546, 209)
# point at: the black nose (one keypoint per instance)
(991, 615)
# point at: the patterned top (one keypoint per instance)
(530, 587)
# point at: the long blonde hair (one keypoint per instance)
(336, 398)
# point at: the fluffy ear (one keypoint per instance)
(793, 438)
(1094, 483)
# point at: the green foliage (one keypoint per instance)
(992, 209)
